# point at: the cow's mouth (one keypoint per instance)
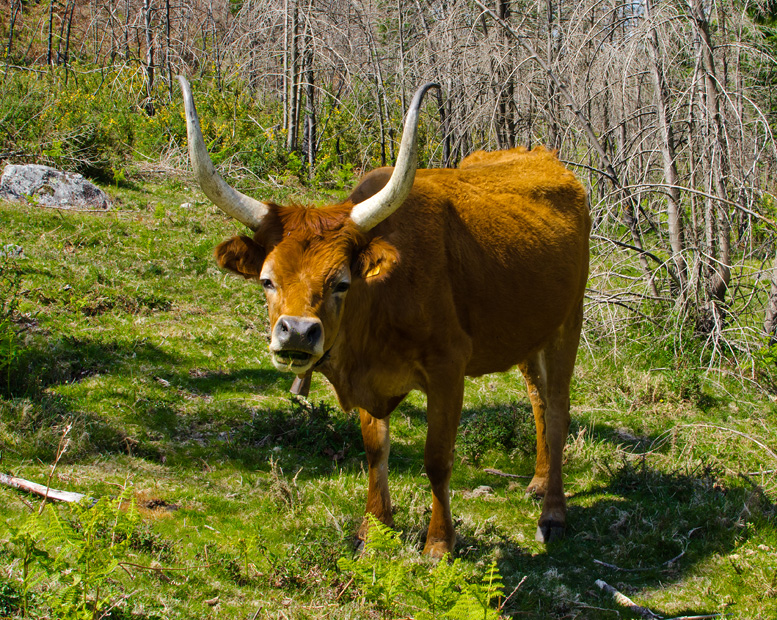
(292, 361)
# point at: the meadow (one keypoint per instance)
(135, 372)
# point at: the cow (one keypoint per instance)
(419, 279)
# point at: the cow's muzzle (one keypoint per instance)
(296, 343)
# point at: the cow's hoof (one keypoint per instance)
(436, 549)
(537, 487)
(549, 531)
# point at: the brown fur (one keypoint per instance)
(482, 268)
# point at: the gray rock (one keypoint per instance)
(11, 250)
(49, 187)
(481, 491)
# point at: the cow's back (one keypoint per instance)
(503, 240)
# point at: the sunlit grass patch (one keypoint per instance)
(125, 330)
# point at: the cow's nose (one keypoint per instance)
(297, 333)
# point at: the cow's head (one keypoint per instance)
(306, 259)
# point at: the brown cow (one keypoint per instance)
(417, 280)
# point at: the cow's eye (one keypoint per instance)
(342, 287)
(267, 284)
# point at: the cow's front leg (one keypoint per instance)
(443, 414)
(376, 444)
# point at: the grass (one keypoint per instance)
(247, 499)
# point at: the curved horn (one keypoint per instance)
(374, 210)
(243, 208)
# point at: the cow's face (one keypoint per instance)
(307, 266)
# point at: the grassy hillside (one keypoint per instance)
(144, 370)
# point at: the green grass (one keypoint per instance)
(247, 499)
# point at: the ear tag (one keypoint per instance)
(373, 272)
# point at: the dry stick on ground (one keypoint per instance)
(40, 489)
(64, 442)
(515, 589)
(499, 472)
(658, 441)
(624, 600)
(46, 491)
(639, 570)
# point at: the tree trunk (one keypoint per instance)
(770, 321)
(401, 33)
(293, 62)
(15, 8)
(720, 271)
(554, 139)
(310, 110)
(668, 153)
(215, 46)
(149, 68)
(126, 30)
(285, 77)
(168, 65)
(50, 48)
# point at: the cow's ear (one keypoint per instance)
(241, 255)
(376, 261)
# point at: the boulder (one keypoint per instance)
(48, 187)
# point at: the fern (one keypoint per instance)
(78, 547)
(379, 577)
(402, 587)
(475, 600)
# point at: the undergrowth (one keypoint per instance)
(125, 332)
(400, 586)
(65, 558)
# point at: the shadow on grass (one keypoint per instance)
(643, 529)
(640, 518)
(146, 396)
(48, 362)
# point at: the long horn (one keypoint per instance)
(243, 208)
(374, 210)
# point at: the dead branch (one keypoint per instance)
(625, 601)
(639, 570)
(40, 489)
(499, 472)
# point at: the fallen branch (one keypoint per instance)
(639, 570)
(64, 443)
(625, 601)
(40, 489)
(515, 589)
(504, 474)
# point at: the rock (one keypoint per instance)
(48, 187)
(11, 250)
(481, 491)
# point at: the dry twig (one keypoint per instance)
(499, 472)
(625, 601)
(639, 570)
(40, 489)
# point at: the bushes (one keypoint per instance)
(97, 123)
(506, 428)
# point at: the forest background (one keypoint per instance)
(665, 110)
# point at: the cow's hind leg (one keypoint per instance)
(376, 444)
(548, 374)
